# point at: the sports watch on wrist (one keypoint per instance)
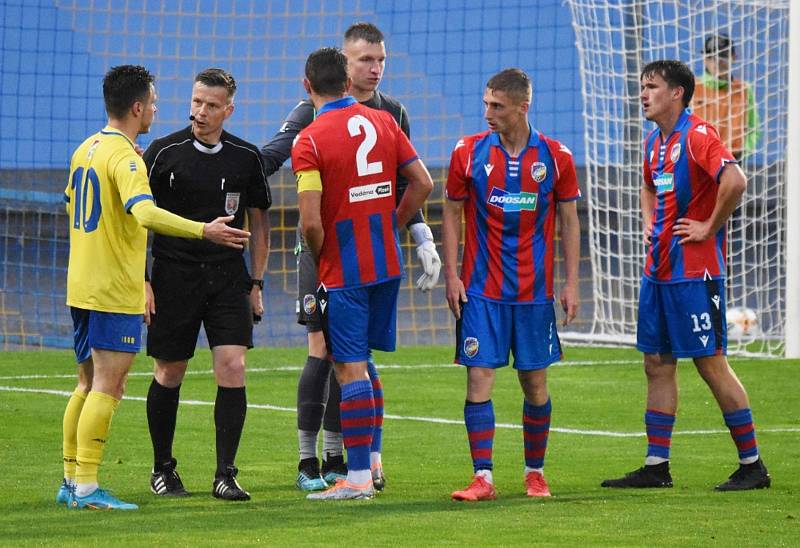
(254, 282)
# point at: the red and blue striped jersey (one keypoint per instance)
(357, 151)
(684, 171)
(510, 214)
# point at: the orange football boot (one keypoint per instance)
(479, 489)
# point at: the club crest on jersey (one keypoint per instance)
(231, 203)
(675, 152)
(309, 304)
(470, 347)
(538, 171)
(512, 201)
(370, 192)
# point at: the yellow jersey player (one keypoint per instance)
(109, 206)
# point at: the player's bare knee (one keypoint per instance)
(715, 370)
(85, 375)
(350, 372)
(534, 386)
(659, 366)
(84, 386)
(480, 381)
(85, 382)
(113, 387)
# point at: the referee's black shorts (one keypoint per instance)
(188, 294)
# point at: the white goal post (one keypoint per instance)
(615, 39)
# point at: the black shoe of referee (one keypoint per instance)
(165, 481)
(226, 487)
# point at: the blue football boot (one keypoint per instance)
(62, 497)
(334, 469)
(100, 499)
(309, 477)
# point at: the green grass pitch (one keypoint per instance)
(595, 392)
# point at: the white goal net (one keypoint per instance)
(615, 40)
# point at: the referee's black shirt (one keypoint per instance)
(201, 183)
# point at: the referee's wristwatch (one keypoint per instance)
(254, 282)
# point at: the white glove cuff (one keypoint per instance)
(421, 233)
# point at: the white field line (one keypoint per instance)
(299, 368)
(434, 420)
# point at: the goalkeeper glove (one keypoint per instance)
(427, 255)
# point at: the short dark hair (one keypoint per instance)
(513, 82)
(326, 70)
(363, 31)
(674, 74)
(217, 77)
(123, 86)
(719, 44)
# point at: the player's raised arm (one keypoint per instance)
(163, 222)
(279, 148)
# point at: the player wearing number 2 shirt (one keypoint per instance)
(692, 184)
(346, 164)
(358, 198)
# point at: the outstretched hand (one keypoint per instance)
(219, 232)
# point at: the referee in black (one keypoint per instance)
(203, 172)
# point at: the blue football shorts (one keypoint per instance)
(488, 331)
(105, 331)
(686, 319)
(356, 320)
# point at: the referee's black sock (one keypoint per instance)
(162, 413)
(230, 409)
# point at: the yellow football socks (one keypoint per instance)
(93, 427)
(70, 445)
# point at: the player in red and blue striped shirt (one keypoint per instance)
(692, 184)
(346, 164)
(509, 183)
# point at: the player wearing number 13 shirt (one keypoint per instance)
(346, 164)
(692, 184)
